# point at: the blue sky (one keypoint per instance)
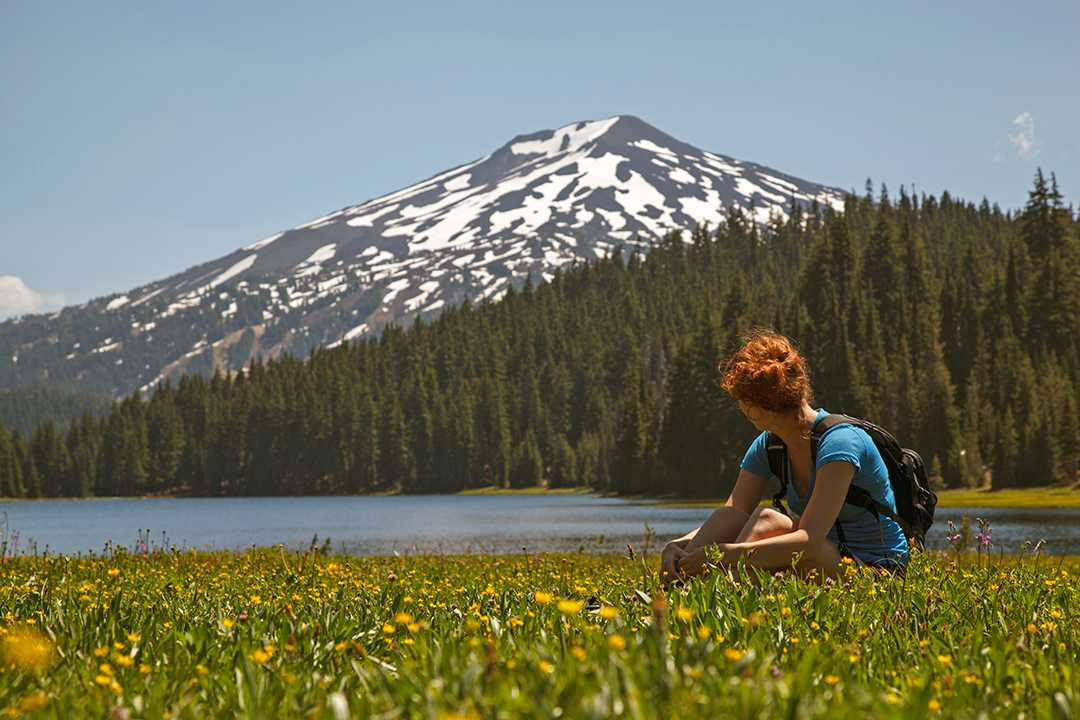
(142, 138)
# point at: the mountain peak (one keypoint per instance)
(615, 130)
(541, 201)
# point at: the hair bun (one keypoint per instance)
(768, 372)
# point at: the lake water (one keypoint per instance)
(410, 524)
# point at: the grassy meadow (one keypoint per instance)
(276, 633)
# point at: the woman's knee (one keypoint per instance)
(765, 523)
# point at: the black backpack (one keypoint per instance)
(915, 501)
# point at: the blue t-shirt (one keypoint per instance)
(874, 540)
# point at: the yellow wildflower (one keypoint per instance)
(27, 648)
(542, 597)
(570, 607)
(616, 641)
(34, 701)
(734, 654)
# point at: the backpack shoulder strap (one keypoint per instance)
(818, 429)
(855, 495)
(777, 452)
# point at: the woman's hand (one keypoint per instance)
(693, 563)
(669, 559)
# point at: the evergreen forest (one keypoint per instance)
(954, 325)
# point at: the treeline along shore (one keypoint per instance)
(953, 324)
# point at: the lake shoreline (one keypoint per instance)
(475, 523)
(1016, 498)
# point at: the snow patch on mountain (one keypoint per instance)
(232, 272)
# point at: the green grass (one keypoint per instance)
(1056, 497)
(1048, 497)
(271, 633)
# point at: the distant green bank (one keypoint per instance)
(492, 490)
(1044, 497)
(1056, 497)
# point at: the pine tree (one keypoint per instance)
(31, 478)
(11, 478)
(564, 464)
(528, 466)
(631, 455)
(51, 459)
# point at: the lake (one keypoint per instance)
(367, 525)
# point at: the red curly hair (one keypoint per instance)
(768, 372)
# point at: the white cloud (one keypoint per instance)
(1024, 140)
(16, 298)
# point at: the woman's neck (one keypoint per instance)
(796, 432)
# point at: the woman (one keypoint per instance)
(769, 380)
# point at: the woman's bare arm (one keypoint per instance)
(830, 489)
(724, 525)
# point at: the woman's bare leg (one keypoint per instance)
(764, 523)
(723, 526)
(820, 560)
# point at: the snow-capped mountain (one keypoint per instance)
(538, 202)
